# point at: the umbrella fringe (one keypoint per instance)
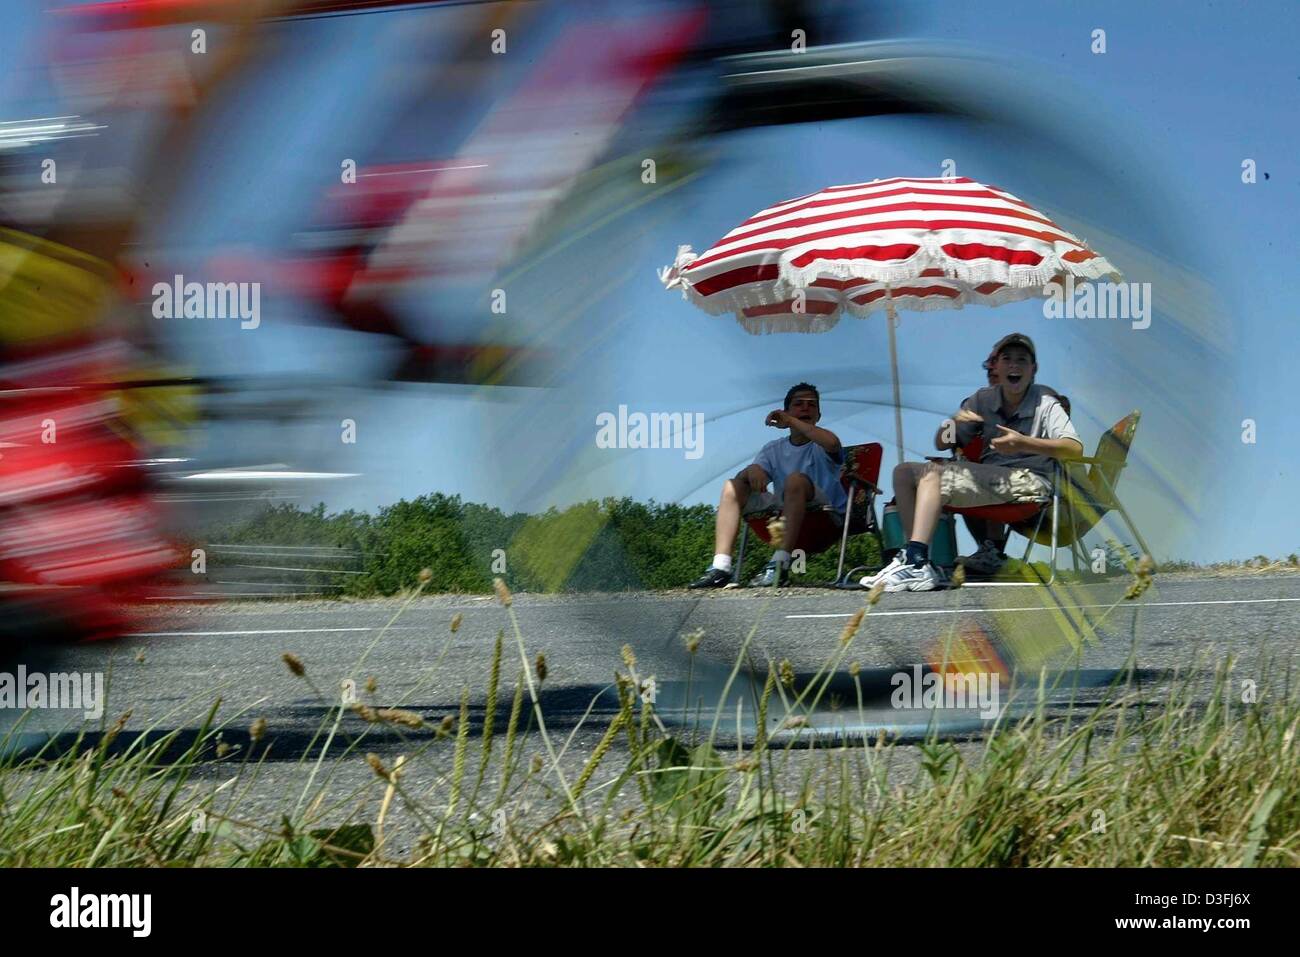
(789, 322)
(967, 298)
(1016, 277)
(812, 325)
(767, 325)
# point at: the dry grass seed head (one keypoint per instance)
(377, 766)
(851, 626)
(400, 716)
(365, 712)
(502, 591)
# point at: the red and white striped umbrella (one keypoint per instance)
(889, 244)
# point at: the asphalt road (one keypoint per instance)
(180, 658)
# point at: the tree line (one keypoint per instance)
(610, 545)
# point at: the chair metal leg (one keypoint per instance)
(740, 557)
(844, 538)
(1056, 525)
(1064, 479)
(1030, 546)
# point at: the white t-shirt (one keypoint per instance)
(781, 458)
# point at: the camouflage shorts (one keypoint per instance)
(972, 484)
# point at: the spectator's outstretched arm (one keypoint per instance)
(823, 437)
(1059, 440)
(1011, 442)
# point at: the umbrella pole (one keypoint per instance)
(891, 321)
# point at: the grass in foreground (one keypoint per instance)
(1143, 779)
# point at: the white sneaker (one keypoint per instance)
(869, 581)
(913, 578)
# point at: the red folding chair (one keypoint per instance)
(821, 526)
(1078, 500)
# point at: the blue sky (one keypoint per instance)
(1143, 160)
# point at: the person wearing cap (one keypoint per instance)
(1024, 427)
(990, 537)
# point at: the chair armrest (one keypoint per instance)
(1093, 460)
(864, 485)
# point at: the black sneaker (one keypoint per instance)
(772, 576)
(713, 578)
(986, 560)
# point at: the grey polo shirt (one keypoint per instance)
(1040, 415)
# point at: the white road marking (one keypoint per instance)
(874, 614)
(970, 611)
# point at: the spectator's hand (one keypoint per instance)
(966, 415)
(1008, 441)
(778, 419)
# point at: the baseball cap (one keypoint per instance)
(1015, 339)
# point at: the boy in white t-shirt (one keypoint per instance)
(803, 467)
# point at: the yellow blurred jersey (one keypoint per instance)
(49, 292)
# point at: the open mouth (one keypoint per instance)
(1015, 378)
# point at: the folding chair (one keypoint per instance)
(821, 527)
(1078, 500)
